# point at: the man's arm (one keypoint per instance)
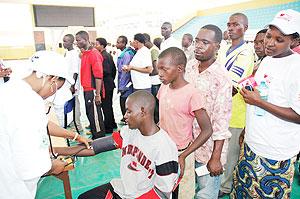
(98, 91)
(97, 69)
(253, 98)
(97, 146)
(214, 164)
(75, 75)
(147, 69)
(206, 131)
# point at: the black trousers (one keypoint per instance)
(109, 118)
(154, 90)
(122, 105)
(94, 115)
(99, 192)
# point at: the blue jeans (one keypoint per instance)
(207, 187)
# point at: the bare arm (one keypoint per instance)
(214, 165)
(79, 150)
(98, 91)
(154, 71)
(206, 131)
(98, 146)
(147, 69)
(253, 98)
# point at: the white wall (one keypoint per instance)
(16, 25)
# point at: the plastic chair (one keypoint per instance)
(68, 107)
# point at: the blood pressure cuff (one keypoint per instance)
(103, 144)
(107, 143)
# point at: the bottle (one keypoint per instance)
(263, 91)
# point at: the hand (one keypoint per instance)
(98, 100)
(251, 97)
(72, 89)
(214, 166)
(181, 162)
(83, 140)
(126, 68)
(58, 166)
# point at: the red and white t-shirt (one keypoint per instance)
(147, 162)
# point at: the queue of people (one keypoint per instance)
(203, 119)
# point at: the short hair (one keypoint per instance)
(262, 31)
(157, 41)
(70, 36)
(144, 99)
(147, 37)
(167, 23)
(216, 30)
(189, 36)
(295, 35)
(139, 37)
(102, 41)
(177, 56)
(245, 18)
(83, 34)
(124, 39)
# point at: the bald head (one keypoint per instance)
(143, 99)
(242, 17)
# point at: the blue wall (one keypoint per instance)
(258, 18)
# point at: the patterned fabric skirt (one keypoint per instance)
(258, 177)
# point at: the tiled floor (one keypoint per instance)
(93, 171)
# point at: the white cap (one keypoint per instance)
(50, 63)
(287, 21)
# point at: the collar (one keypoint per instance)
(230, 50)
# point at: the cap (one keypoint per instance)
(287, 21)
(50, 63)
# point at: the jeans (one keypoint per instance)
(207, 187)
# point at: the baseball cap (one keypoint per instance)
(50, 63)
(287, 21)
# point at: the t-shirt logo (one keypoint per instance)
(133, 166)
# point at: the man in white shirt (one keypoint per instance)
(73, 60)
(141, 65)
(168, 40)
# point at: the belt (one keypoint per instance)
(180, 150)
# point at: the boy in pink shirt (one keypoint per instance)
(179, 104)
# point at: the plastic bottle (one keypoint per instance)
(263, 91)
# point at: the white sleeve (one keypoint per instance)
(166, 166)
(294, 93)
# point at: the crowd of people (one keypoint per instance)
(209, 117)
